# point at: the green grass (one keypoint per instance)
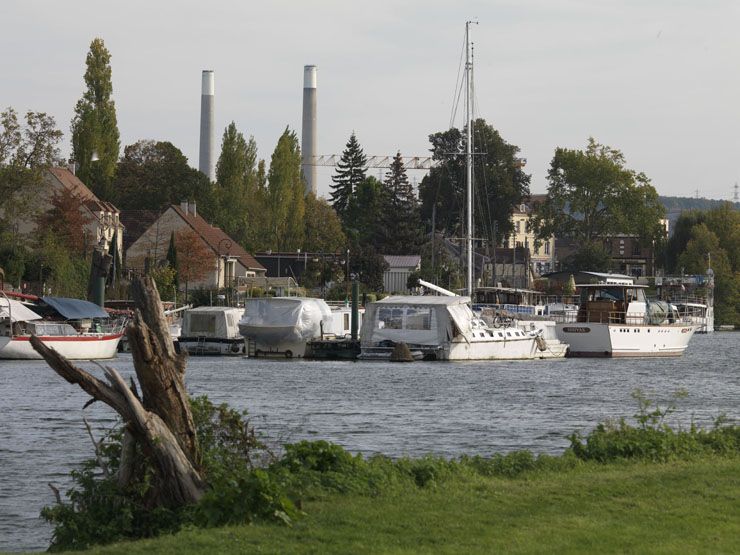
(624, 507)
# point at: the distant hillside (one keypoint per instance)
(677, 204)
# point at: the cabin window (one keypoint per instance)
(346, 321)
(202, 323)
(418, 318)
(390, 318)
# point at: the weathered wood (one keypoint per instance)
(179, 482)
(159, 368)
(128, 459)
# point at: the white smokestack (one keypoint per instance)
(207, 160)
(309, 134)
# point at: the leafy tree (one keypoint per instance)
(240, 195)
(94, 125)
(154, 175)
(351, 171)
(323, 230)
(285, 205)
(26, 150)
(195, 260)
(695, 260)
(680, 237)
(499, 182)
(365, 224)
(66, 220)
(592, 195)
(402, 226)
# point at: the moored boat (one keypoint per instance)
(617, 320)
(212, 330)
(76, 329)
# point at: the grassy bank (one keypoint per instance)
(683, 506)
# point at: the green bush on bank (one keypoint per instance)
(247, 483)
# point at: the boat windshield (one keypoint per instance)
(602, 294)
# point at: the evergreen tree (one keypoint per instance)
(172, 257)
(285, 204)
(94, 125)
(402, 222)
(351, 170)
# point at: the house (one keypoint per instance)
(225, 259)
(400, 267)
(102, 217)
(541, 253)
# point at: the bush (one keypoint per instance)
(653, 439)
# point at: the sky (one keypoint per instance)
(657, 79)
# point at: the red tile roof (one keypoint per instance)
(73, 184)
(215, 237)
(136, 222)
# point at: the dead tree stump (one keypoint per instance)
(161, 422)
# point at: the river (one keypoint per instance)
(368, 407)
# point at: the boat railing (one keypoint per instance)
(620, 317)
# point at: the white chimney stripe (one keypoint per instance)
(209, 86)
(309, 77)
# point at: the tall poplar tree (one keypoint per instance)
(285, 195)
(403, 233)
(239, 196)
(94, 125)
(351, 171)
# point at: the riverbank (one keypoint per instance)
(680, 506)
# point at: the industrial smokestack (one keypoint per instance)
(207, 160)
(309, 137)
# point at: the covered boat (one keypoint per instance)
(283, 325)
(75, 328)
(441, 328)
(212, 330)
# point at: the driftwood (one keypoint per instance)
(160, 421)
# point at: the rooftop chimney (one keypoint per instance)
(192, 209)
(184, 206)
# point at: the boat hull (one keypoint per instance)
(211, 346)
(82, 347)
(587, 339)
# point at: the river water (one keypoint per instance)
(368, 407)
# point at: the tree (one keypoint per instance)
(323, 230)
(195, 259)
(285, 194)
(66, 221)
(26, 150)
(403, 233)
(592, 195)
(240, 197)
(351, 171)
(154, 175)
(172, 259)
(365, 224)
(499, 182)
(94, 125)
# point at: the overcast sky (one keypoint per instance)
(658, 79)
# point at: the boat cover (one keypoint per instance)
(426, 320)
(274, 320)
(75, 309)
(16, 311)
(211, 321)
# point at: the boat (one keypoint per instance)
(442, 328)
(692, 295)
(283, 326)
(212, 330)
(76, 329)
(616, 319)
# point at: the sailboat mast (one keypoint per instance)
(468, 163)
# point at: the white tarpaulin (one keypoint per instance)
(16, 311)
(275, 320)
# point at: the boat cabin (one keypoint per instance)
(213, 322)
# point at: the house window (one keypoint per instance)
(547, 247)
(635, 248)
(518, 229)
